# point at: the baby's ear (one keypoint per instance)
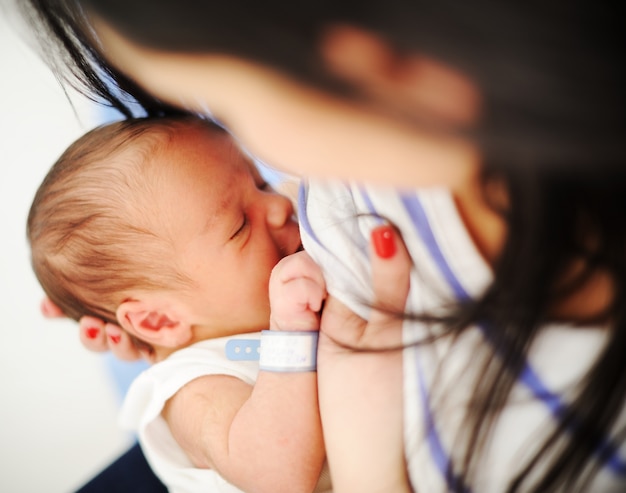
(154, 323)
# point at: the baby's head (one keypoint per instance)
(160, 224)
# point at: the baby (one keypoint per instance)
(166, 228)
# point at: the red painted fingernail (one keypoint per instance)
(92, 332)
(384, 241)
(115, 339)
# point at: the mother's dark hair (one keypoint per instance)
(552, 129)
(549, 73)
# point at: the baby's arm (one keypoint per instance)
(267, 437)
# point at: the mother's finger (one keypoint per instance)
(92, 335)
(98, 336)
(391, 268)
(49, 309)
(121, 344)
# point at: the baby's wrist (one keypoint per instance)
(288, 350)
(308, 322)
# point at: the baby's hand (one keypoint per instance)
(297, 290)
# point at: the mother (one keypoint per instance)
(515, 378)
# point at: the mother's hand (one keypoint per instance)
(98, 336)
(360, 387)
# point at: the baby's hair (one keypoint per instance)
(90, 227)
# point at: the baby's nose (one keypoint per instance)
(279, 211)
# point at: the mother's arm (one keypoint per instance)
(360, 392)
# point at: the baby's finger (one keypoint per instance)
(296, 304)
(304, 294)
(120, 343)
(298, 265)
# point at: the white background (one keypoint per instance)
(59, 404)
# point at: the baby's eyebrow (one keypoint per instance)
(209, 225)
(223, 205)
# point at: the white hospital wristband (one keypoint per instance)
(288, 351)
